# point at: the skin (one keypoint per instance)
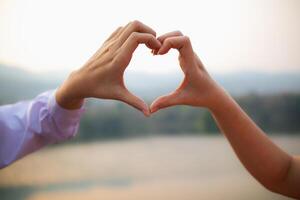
(102, 75)
(271, 166)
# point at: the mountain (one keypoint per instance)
(17, 84)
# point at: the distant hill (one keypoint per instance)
(266, 98)
(16, 83)
(236, 83)
(261, 83)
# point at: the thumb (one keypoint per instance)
(134, 101)
(164, 102)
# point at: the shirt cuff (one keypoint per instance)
(64, 115)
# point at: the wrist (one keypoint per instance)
(218, 100)
(66, 100)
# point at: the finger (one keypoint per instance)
(135, 26)
(164, 102)
(200, 64)
(181, 43)
(170, 34)
(114, 34)
(136, 102)
(135, 39)
(121, 31)
(165, 36)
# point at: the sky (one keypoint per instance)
(228, 35)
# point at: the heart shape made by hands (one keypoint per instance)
(149, 76)
(187, 93)
(107, 66)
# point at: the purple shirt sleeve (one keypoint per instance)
(29, 125)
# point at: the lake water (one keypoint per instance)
(160, 168)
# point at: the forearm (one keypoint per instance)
(270, 165)
(263, 159)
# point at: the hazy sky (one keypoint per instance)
(228, 35)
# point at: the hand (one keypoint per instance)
(197, 87)
(102, 75)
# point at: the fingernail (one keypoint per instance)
(153, 110)
(146, 113)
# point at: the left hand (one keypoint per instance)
(102, 75)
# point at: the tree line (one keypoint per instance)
(273, 113)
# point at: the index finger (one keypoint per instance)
(135, 26)
(181, 43)
(139, 38)
(168, 35)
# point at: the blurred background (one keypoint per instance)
(251, 47)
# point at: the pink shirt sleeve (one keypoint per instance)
(29, 125)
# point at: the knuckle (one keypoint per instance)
(149, 37)
(178, 32)
(168, 41)
(136, 24)
(153, 33)
(186, 39)
(134, 36)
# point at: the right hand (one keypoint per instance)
(102, 75)
(197, 87)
